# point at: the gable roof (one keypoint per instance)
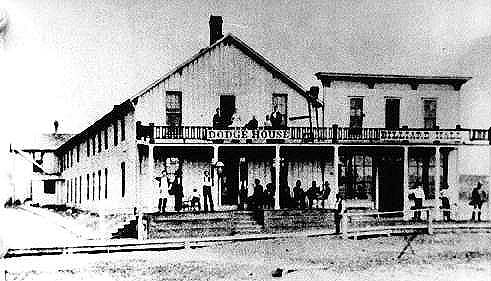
(45, 142)
(258, 58)
(370, 79)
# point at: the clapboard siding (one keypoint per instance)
(224, 69)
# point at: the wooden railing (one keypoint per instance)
(333, 134)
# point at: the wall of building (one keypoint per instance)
(337, 103)
(225, 70)
(110, 159)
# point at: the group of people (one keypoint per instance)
(478, 197)
(299, 198)
(174, 188)
(274, 120)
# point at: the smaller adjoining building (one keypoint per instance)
(35, 175)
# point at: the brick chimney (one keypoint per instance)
(215, 28)
(56, 124)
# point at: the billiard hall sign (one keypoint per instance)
(247, 134)
(423, 136)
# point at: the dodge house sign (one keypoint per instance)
(247, 134)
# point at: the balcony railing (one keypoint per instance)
(333, 134)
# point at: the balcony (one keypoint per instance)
(334, 134)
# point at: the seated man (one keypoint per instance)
(195, 200)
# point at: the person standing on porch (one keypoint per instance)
(477, 199)
(299, 195)
(207, 198)
(312, 194)
(445, 203)
(217, 120)
(236, 120)
(340, 209)
(276, 118)
(418, 195)
(177, 191)
(163, 187)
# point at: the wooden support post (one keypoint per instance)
(405, 188)
(429, 213)
(277, 166)
(336, 171)
(437, 182)
(148, 189)
(344, 225)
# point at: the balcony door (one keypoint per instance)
(392, 113)
(227, 107)
(356, 113)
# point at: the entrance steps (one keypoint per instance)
(203, 224)
(295, 219)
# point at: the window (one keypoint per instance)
(105, 183)
(422, 169)
(49, 187)
(115, 133)
(105, 138)
(429, 107)
(99, 183)
(71, 190)
(123, 129)
(123, 179)
(78, 153)
(88, 147)
(75, 187)
(392, 113)
(67, 185)
(93, 145)
(80, 189)
(38, 158)
(357, 177)
(99, 142)
(88, 187)
(356, 113)
(173, 107)
(93, 186)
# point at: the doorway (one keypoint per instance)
(390, 187)
(392, 113)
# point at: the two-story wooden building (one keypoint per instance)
(371, 137)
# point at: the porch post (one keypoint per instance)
(336, 170)
(437, 182)
(405, 187)
(145, 192)
(216, 185)
(277, 160)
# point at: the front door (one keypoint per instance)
(390, 176)
(227, 107)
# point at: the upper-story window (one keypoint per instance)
(115, 131)
(429, 107)
(38, 158)
(123, 129)
(356, 112)
(392, 113)
(93, 145)
(78, 153)
(99, 142)
(105, 138)
(88, 147)
(280, 104)
(173, 106)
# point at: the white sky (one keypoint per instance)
(72, 60)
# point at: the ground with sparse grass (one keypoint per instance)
(438, 257)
